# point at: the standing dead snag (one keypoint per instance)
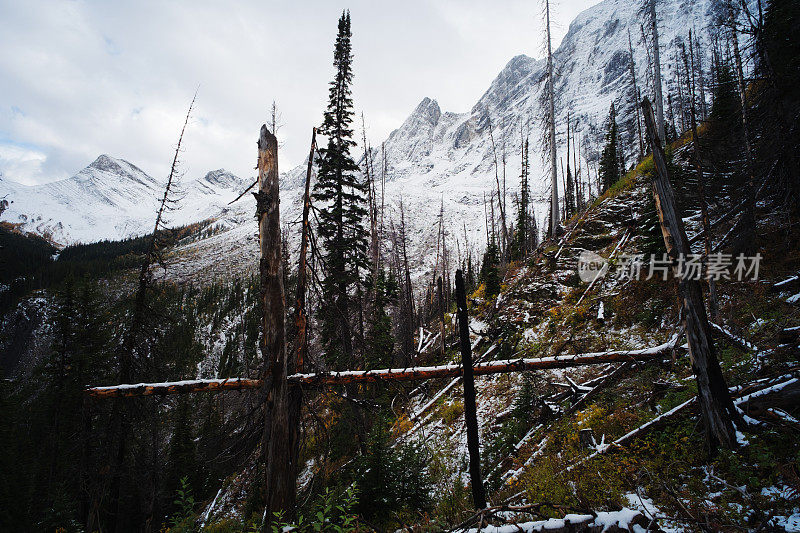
(701, 192)
(470, 410)
(717, 409)
(551, 120)
(296, 361)
(121, 414)
(280, 472)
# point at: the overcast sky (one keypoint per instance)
(79, 78)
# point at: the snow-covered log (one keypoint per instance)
(391, 374)
(481, 369)
(611, 521)
(782, 395)
(174, 387)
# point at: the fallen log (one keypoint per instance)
(603, 521)
(781, 395)
(784, 394)
(482, 369)
(389, 374)
(174, 387)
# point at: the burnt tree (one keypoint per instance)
(470, 410)
(717, 409)
(280, 480)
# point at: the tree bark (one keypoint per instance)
(716, 407)
(280, 481)
(635, 97)
(392, 374)
(657, 71)
(554, 215)
(747, 242)
(441, 314)
(713, 306)
(297, 362)
(470, 409)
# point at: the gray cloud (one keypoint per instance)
(85, 77)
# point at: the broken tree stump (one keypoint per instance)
(280, 473)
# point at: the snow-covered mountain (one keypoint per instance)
(439, 157)
(435, 157)
(111, 199)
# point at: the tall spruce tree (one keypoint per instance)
(609, 159)
(380, 340)
(725, 106)
(344, 207)
(523, 230)
(489, 274)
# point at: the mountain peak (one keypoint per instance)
(428, 110)
(105, 162)
(221, 178)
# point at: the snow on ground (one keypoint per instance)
(625, 519)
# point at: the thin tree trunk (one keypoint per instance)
(491, 203)
(120, 422)
(701, 79)
(504, 228)
(409, 292)
(659, 99)
(554, 215)
(486, 216)
(440, 297)
(373, 209)
(748, 219)
(713, 306)
(280, 472)
(470, 409)
(635, 97)
(715, 402)
(297, 363)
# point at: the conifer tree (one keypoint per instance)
(380, 341)
(489, 274)
(343, 200)
(725, 106)
(569, 189)
(609, 159)
(523, 230)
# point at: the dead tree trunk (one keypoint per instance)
(121, 415)
(409, 289)
(551, 109)
(470, 410)
(280, 480)
(713, 306)
(748, 237)
(297, 361)
(635, 96)
(504, 229)
(657, 92)
(347, 377)
(440, 297)
(716, 407)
